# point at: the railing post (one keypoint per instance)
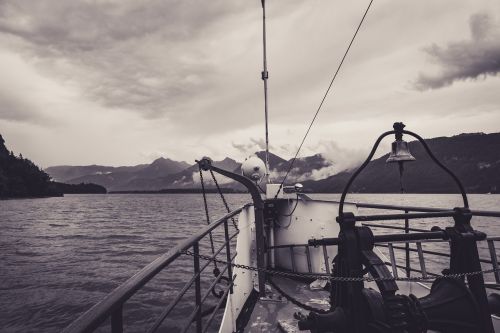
(196, 260)
(393, 260)
(421, 260)
(308, 256)
(325, 256)
(407, 248)
(292, 257)
(494, 261)
(117, 320)
(228, 256)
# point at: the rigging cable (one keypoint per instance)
(324, 98)
(223, 199)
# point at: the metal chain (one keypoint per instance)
(343, 278)
(223, 198)
(296, 301)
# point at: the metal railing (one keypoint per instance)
(111, 307)
(435, 212)
(306, 247)
(404, 244)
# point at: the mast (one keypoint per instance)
(265, 76)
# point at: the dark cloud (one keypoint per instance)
(479, 56)
(146, 56)
(151, 57)
(78, 26)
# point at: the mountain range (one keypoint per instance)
(164, 173)
(475, 158)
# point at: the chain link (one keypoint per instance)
(342, 278)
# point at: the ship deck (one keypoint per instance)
(276, 314)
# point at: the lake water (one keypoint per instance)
(59, 256)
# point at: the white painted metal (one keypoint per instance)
(310, 219)
(243, 283)
(272, 189)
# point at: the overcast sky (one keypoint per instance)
(121, 82)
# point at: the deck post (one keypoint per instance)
(325, 257)
(228, 256)
(494, 261)
(117, 320)
(393, 260)
(308, 256)
(421, 259)
(196, 261)
(407, 247)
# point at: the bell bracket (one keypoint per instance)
(398, 131)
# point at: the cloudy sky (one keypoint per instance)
(121, 82)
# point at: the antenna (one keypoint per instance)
(265, 76)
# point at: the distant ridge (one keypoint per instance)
(475, 157)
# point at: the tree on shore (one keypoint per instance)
(20, 177)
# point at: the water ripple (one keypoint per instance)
(62, 255)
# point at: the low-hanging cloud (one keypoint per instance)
(469, 59)
(339, 159)
(251, 147)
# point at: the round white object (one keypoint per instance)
(253, 168)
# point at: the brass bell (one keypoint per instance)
(400, 152)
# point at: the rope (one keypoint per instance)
(216, 270)
(324, 98)
(223, 198)
(295, 301)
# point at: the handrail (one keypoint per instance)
(188, 285)
(474, 212)
(97, 314)
(434, 253)
(384, 226)
(385, 217)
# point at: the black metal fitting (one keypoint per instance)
(462, 216)
(398, 130)
(205, 163)
(271, 211)
(346, 220)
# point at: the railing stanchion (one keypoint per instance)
(494, 261)
(308, 255)
(292, 258)
(196, 260)
(421, 259)
(117, 320)
(325, 256)
(407, 247)
(393, 260)
(228, 256)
